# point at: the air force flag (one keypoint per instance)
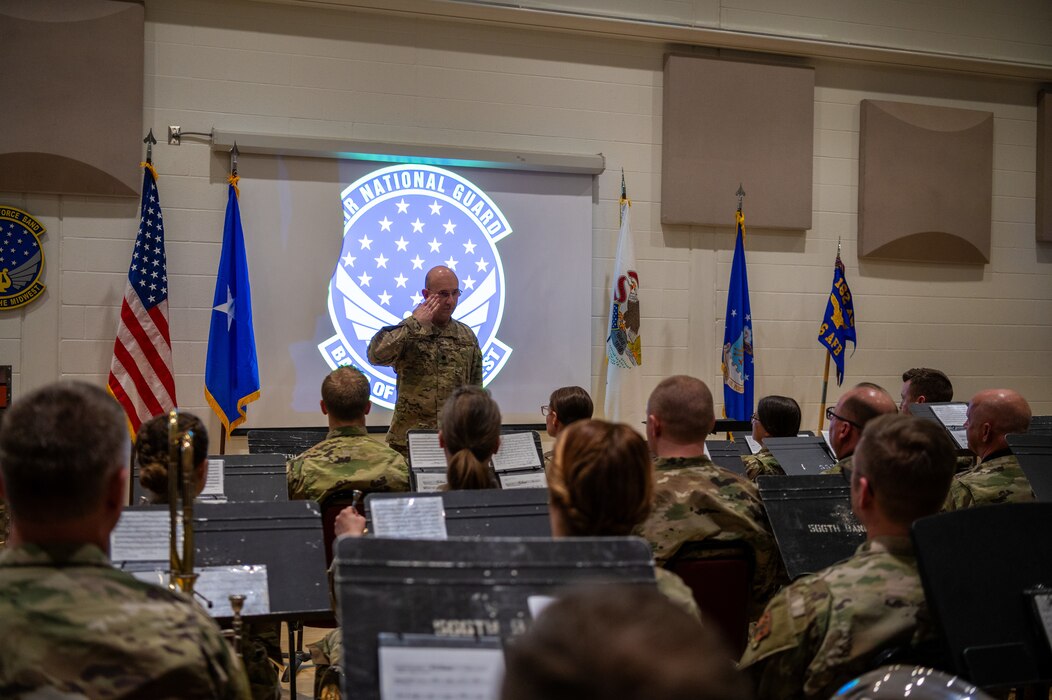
(399, 222)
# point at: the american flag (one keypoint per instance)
(141, 374)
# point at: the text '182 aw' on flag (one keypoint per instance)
(838, 325)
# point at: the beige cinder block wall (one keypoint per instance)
(253, 66)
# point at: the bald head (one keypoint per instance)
(679, 412)
(442, 286)
(992, 414)
(859, 405)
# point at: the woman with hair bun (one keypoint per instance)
(469, 433)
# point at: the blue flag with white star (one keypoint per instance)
(231, 371)
(737, 336)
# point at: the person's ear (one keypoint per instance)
(117, 489)
(441, 440)
(368, 407)
(324, 408)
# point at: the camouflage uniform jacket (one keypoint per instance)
(840, 466)
(762, 463)
(997, 479)
(695, 501)
(346, 459)
(430, 364)
(74, 624)
(675, 589)
(824, 629)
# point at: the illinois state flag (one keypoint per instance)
(624, 345)
(231, 371)
(737, 336)
(838, 325)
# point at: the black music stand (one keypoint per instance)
(251, 477)
(490, 512)
(728, 454)
(1040, 425)
(812, 520)
(1034, 452)
(285, 441)
(419, 587)
(801, 456)
(977, 566)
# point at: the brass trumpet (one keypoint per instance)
(181, 493)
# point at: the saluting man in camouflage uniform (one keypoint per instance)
(347, 458)
(431, 353)
(70, 624)
(826, 628)
(859, 405)
(695, 500)
(997, 478)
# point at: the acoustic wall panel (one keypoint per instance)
(1044, 166)
(730, 122)
(73, 96)
(925, 182)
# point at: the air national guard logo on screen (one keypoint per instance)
(21, 258)
(398, 223)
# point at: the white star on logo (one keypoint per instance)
(403, 206)
(363, 280)
(401, 279)
(418, 225)
(385, 299)
(416, 298)
(734, 312)
(366, 242)
(226, 307)
(748, 317)
(385, 224)
(482, 265)
(469, 283)
(451, 263)
(469, 248)
(435, 245)
(381, 261)
(348, 260)
(435, 207)
(449, 226)
(402, 243)
(418, 263)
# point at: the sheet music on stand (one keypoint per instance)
(215, 585)
(409, 517)
(214, 481)
(952, 416)
(424, 450)
(142, 535)
(429, 667)
(518, 451)
(523, 480)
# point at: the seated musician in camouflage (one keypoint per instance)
(601, 485)
(71, 624)
(469, 433)
(261, 646)
(776, 416)
(566, 405)
(997, 478)
(826, 628)
(856, 407)
(617, 642)
(924, 385)
(347, 458)
(697, 501)
(431, 353)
